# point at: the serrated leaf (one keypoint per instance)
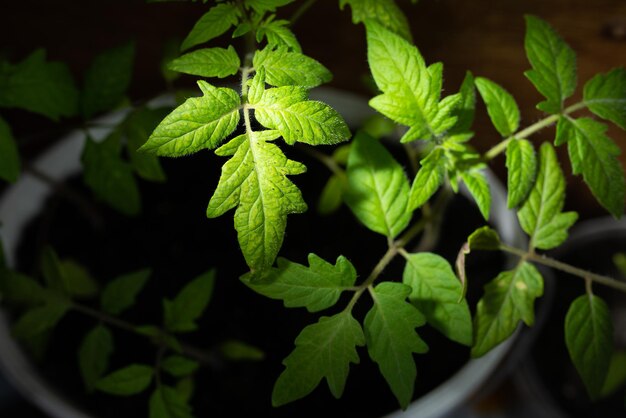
(208, 62)
(289, 68)
(240, 351)
(323, 350)
(287, 110)
(278, 34)
(501, 106)
(10, 164)
(466, 109)
(605, 95)
(138, 127)
(436, 292)
(119, 294)
(540, 216)
(179, 366)
(127, 381)
(385, 12)
(255, 181)
(107, 80)
(38, 86)
(378, 189)
(212, 24)
(589, 340)
(508, 299)
(93, 355)
(39, 319)
(553, 62)
(478, 187)
(181, 313)
(428, 179)
(110, 178)
(199, 123)
(315, 287)
(331, 197)
(484, 238)
(521, 164)
(166, 402)
(392, 339)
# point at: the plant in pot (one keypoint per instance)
(377, 294)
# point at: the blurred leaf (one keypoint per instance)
(129, 380)
(93, 355)
(9, 155)
(121, 292)
(179, 366)
(240, 351)
(181, 313)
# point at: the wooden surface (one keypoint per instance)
(484, 36)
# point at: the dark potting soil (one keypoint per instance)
(174, 238)
(553, 364)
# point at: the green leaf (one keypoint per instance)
(287, 110)
(109, 177)
(94, 354)
(385, 12)
(208, 62)
(501, 106)
(200, 122)
(553, 62)
(595, 155)
(484, 238)
(240, 351)
(38, 86)
(589, 340)
(616, 376)
(9, 156)
(179, 366)
(323, 350)
(182, 312)
(138, 127)
(521, 163)
(159, 337)
(41, 318)
(77, 281)
(255, 181)
(478, 187)
(262, 6)
(127, 381)
(52, 270)
(287, 68)
(107, 80)
(331, 197)
(605, 95)
(20, 289)
(212, 24)
(540, 216)
(392, 340)
(167, 402)
(121, 292)
(278, 34)
(316, 287)
(186, 388)
(508, 299)
(428, 179)
(436, 292)
(378, 189)
(466, 109)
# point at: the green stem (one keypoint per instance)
(301, 10)
(329, 162)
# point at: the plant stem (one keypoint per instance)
(567, 268)
(301, 10)
(329, 162)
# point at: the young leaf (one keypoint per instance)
(392, 340)
(316, 287)
(377, 187)
(508, 299)
(127, 381)
(540, 216)
(107, 80)
(501, 106)
(553, 62)
(9, 156)
(255, 181)
(436, 292)
(278, 34)
(287, 110)
(240, 351)
(121, 292)
(41, 318)
(110, 178)
(589, 340)
(331, 197)
(179, 366)
(212, 24)
(430, 176)
(38, 86)
(208, 62)
(262, 6)
(286, 68)
(385, 12)
(605, 95)
(138, 126)
(323, 350)
(521, 164)
(200, 122)
(478, 187)
(464, 112)
(167, 402)
(595, 155)
(93, 355)
(484, 238)
(182, 312)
